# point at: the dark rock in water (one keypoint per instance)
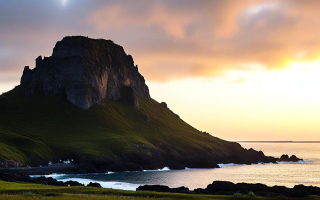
(286, 158)
(86, 71)
(94, 185)
(294, 158)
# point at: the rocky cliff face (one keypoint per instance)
(86, 71)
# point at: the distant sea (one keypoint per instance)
(286, 174)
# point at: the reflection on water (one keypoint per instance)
(287, 174)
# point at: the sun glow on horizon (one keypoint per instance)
(264, 104)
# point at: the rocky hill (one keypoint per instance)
(86, 71)
(88, 102)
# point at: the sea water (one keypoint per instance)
(284, 173)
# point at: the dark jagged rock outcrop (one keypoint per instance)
(286, 158)
(17, 177)
(91, 184)
(229, 188)
(86, 71)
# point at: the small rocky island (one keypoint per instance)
(88, 101)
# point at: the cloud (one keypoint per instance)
(216, 35)
(168, 39)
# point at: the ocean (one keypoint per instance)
(284, 173)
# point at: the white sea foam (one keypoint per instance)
(131, 186)
(278, 162)
(229, 164)
(105, 184)
(298, 162)
(54, 175)
(156, 170)
(282, 173)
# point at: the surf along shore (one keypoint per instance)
(217, 188)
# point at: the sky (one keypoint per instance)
(240, 70)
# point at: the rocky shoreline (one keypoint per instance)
(22, 174)
(229, 188)
(215, 188)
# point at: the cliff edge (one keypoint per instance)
(86, 71)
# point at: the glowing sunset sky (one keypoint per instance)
(240, 70)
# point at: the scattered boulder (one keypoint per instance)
(229, 188)
(155, 188)
(91, 184)
(286, 158)
(181, 189)
(72, 183)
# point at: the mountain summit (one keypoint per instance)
(86, 71)
(81, 104)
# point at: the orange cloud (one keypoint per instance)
(169, 39)
(215, 35)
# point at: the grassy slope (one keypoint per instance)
(44, 127)
(36, 191)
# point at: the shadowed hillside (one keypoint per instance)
(41, 122)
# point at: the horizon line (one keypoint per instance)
(280, 141)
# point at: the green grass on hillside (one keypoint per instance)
(34, 190)
(41, 126)
(10, 191)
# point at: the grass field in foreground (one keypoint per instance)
(17, 191)
(9, 190)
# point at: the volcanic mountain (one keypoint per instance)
(88, 102)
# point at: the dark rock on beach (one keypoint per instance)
(155, 188)
(72, 183)
(163, 188)
(91, 184)
(286, 158)
(229, 188)
(11, 177)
